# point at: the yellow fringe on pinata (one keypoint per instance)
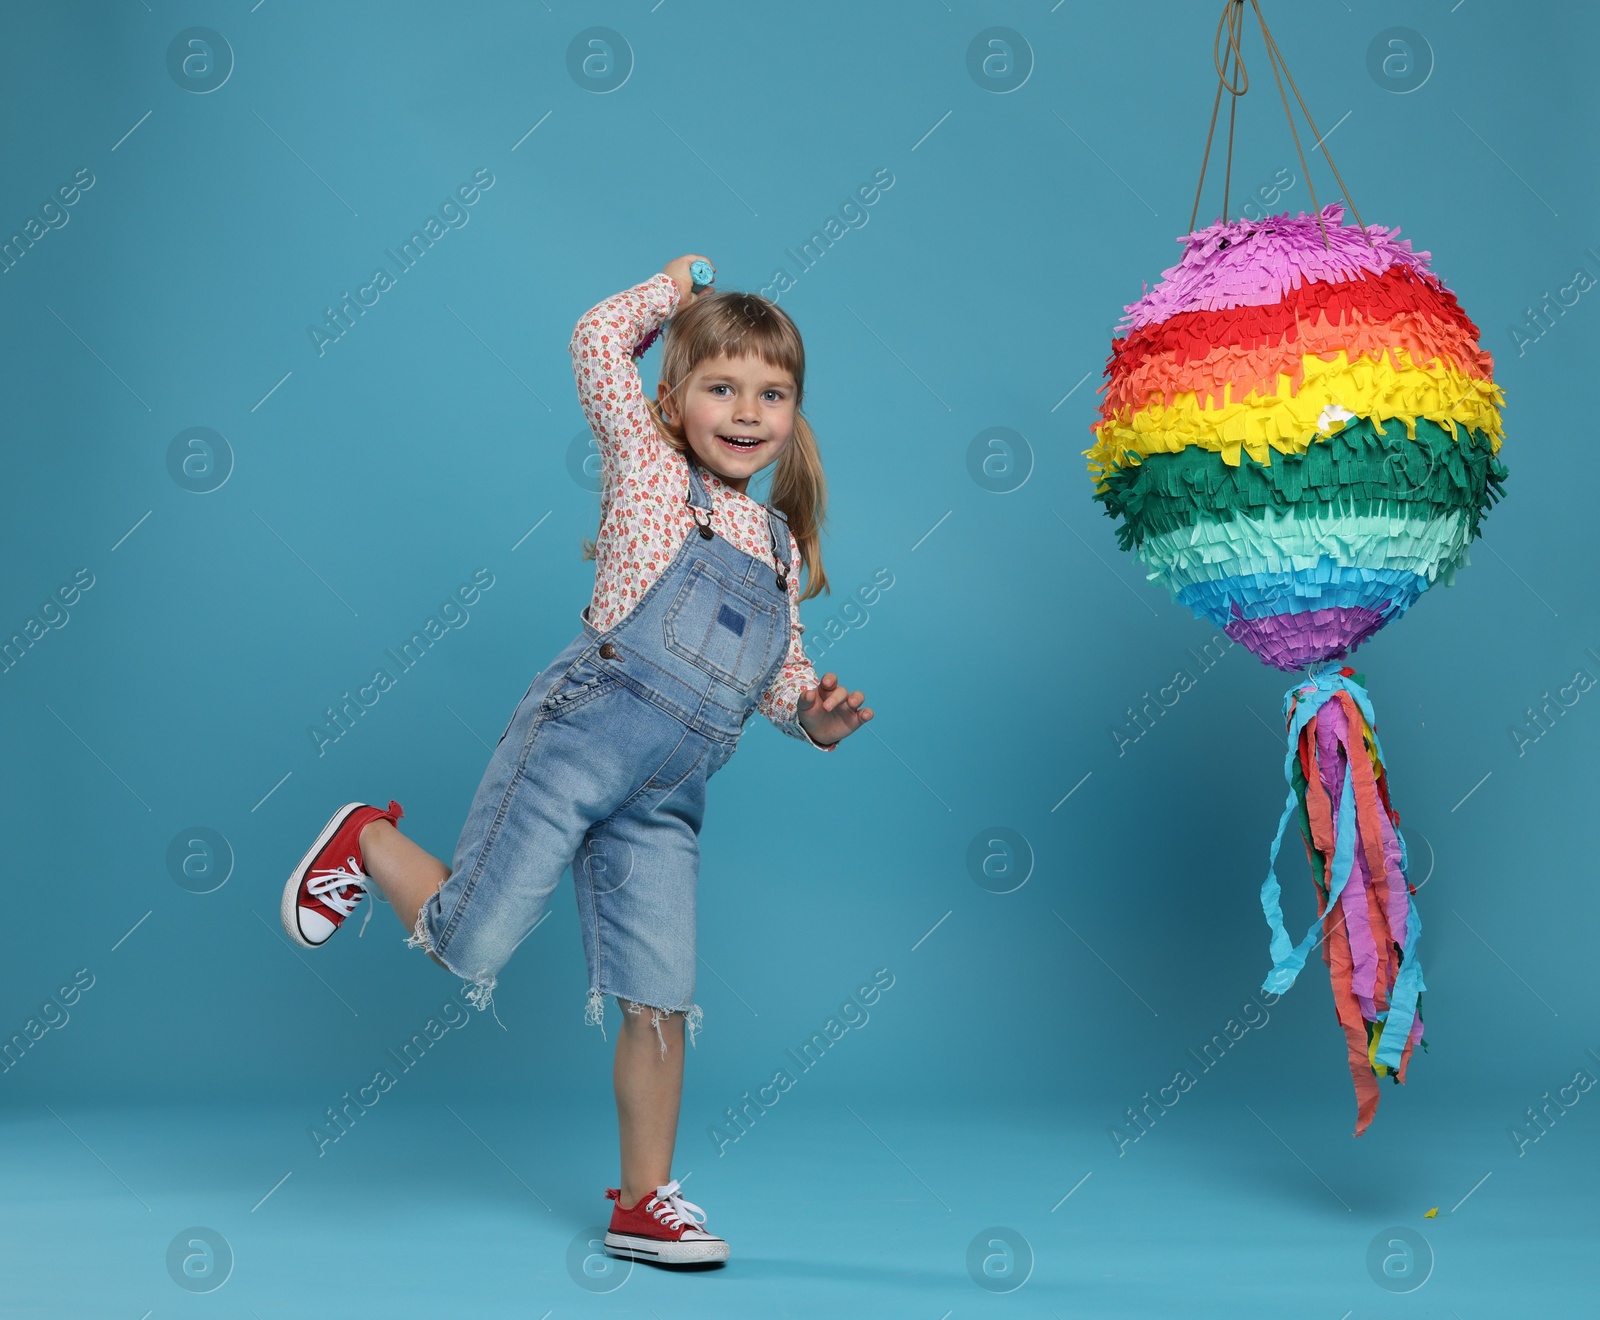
(1287, 421)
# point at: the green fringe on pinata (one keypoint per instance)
(1356, 470)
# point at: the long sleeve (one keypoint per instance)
(779, 702)
(608, 380)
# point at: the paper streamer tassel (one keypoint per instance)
(1367, 921)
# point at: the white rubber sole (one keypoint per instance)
(291, 891)
(702, 1252)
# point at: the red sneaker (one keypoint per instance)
(331, 879)
(663, 1228)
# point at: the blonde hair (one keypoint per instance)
(748, 325)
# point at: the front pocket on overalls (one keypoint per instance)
(721, 631)
(587, 679)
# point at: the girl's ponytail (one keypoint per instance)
(800, 493)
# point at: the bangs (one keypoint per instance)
(734, 325)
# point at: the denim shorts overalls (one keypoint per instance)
(603, 768)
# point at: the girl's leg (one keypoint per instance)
(407, 875)
(649, 1087)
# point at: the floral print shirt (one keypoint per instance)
(644, 516)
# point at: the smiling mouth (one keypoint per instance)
(741, 443)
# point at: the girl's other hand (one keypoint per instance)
(828, 712)
(679, 270)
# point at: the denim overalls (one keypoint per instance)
(603, 767)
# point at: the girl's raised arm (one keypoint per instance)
(608, 380)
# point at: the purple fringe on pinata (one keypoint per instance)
(1264, 260)
(1298, 641)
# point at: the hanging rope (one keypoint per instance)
(1272, 59)
(1276, 57)
(1232, 23)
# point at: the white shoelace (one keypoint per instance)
(339, 888)
(669, 1207)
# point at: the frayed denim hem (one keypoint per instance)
(480, 988)
(594, 1016)
(594, 1012)
(419, 935)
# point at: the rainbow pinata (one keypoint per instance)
(1299, 439)
(1299, 435)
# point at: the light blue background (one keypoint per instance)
(370, 481)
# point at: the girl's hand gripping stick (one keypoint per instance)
(703, 276)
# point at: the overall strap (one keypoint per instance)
(699, 500)
(778, 525)
(698, 497)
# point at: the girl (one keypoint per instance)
(694, 624)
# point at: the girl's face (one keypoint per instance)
(737, 414)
